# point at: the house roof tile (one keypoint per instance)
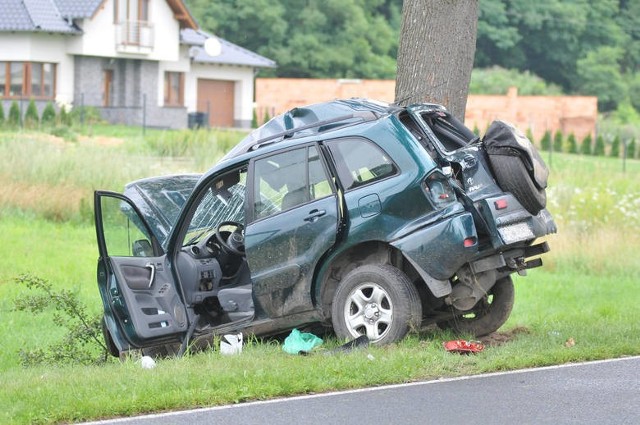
(76, 8)
(231, 54)
(33, 15)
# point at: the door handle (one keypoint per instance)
(153, 273)
(314, 215)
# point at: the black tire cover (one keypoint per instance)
(502, 138)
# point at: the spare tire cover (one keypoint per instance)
(503, 138)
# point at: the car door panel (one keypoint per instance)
(283, 261)
(140, 292)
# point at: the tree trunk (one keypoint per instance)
(435, 55)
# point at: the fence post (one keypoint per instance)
(144, 114)
(82, 109)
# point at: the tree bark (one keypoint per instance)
(435, 55)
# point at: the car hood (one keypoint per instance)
(160, 200)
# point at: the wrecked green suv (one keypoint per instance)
(370, 218)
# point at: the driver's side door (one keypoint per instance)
(139, 294)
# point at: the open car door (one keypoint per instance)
(142, 304)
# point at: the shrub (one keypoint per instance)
(599, 148)
(64, 118)
(1, 114)
(254, 119)
(545, 142)
(86, 115)
(631, 149)
(558, 141)
(83, 343)
(572, 145)
(585, 147)
(48, 114)
(14, 115)
(615, 147)
(31, 118)
(266, 116)
(529, 135)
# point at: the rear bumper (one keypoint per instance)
(509, 223)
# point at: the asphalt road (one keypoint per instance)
(603, 392)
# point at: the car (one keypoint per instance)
(364, 217)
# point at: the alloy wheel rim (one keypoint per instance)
(368, 311)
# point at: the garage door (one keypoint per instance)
(216, 96)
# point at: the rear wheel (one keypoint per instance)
(512, 176)
(376, 300)
(488, 314)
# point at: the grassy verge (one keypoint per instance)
(581, 306)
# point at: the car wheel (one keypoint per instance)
(488, 314)
(378, 301)
(512, 176)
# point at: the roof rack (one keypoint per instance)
(363, 115)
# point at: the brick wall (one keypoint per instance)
(569, 114)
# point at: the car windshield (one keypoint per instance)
(222, 201)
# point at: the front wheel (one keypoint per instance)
(488, 314)
(376, 300)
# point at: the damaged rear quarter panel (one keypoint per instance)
(438, 249)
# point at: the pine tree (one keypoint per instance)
(530, 136)
(631, 149)
(48, 114)
(545, 142)
(31, 118)
(615, 147)
(558, 141)
(14, 115)
(1, 114)
(572, 145)
(599, 149)
(585, 148)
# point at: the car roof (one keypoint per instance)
(312, 119)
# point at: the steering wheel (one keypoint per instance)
(234, 243)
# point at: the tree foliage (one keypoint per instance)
(589, 47)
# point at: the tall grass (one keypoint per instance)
(49, 177)
(586, 292)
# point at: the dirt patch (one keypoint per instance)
(496, 339)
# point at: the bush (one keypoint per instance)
(64, 118)
(529, 135)
(585, 147)
(48, 114)
(31, 118)
(88, 115)
(615, 147)
(599, 149)
(545, 142)
(14, 115)
(631, 149)
(1, 114)
(83, 343)
(572, 145)
(558, 141)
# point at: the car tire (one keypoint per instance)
(376, 300)
(488, 315)
(512, 176)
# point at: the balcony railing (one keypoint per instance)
(134, 36)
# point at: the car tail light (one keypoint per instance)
(501, 204)
(439, 190)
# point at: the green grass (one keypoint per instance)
(587, 293)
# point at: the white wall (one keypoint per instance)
(99, 38)
(40, 47)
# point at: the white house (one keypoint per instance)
(137, 61)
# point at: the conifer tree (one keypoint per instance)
(572, 145)
(545, 142)
(599, 149)
(615, 147)
(585, 148)
(558, 141)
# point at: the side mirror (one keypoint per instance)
(142, 248)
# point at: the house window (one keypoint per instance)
(27, 79)
(130, 10)
(173, 88)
